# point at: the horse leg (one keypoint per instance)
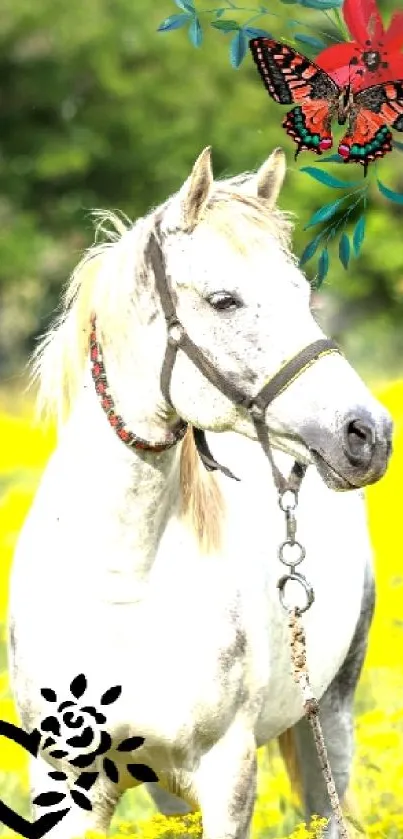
(103, 795)
(225, 784)
(168, 804)
(336, 714)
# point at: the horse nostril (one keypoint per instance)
(359, 439)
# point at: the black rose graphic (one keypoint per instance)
(74, 731)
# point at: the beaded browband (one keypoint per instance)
(107, 402)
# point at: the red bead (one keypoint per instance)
(344, 151)
(94, 353)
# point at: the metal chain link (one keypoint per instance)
(288, 501)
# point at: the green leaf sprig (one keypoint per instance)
(335, 216)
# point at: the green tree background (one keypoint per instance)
(98, 109)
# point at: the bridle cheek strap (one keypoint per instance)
(256, 406)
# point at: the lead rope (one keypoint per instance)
(298, 644)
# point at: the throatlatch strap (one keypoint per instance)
(205, 454)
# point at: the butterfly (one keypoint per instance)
(290, 77)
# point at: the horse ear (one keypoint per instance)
(269, 178)
(196, 190)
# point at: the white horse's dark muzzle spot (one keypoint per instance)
(362, 457)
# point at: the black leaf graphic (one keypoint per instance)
(99, 718)
(110, 770)
(78, 685)
(82, 761)
(84, 739)
(46, 799)
(57, 776)
(58, 753)
(48, 742)
(86, 780)
(105, 743)
(81, 799)
(130, 744)
(66, 704)
(51, 724)
(70, 719)
(141, 772)
(49, 695)
(111, 695)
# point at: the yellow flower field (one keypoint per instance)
(377, 785)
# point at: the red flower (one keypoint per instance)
(374, 56)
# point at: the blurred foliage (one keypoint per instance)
(377, 783)
(98, 109)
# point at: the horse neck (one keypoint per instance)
(131, 494)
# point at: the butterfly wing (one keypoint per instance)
(290, 77)
(374, 109)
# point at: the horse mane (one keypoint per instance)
(112, 272)
(202, 503)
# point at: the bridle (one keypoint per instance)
(178, 339)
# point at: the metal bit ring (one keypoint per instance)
(291, 563)
(298, 578)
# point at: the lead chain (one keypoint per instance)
(288, 501)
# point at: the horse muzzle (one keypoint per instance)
(356, 455)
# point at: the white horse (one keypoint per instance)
(138, 568)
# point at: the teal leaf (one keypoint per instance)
(328, 180)
(310, 250)
(315, 43)
(332, 158)
(219, 12)
(195, 32)
(323, 267)
(321, 4)
(173, 22)
(253, 32)
(324, 213)
(397, 145)
(397, 197)
(358, 235)
(186, 5)
(344, 250)
(237, 48)
(226, 25)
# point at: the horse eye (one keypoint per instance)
(222, 301)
